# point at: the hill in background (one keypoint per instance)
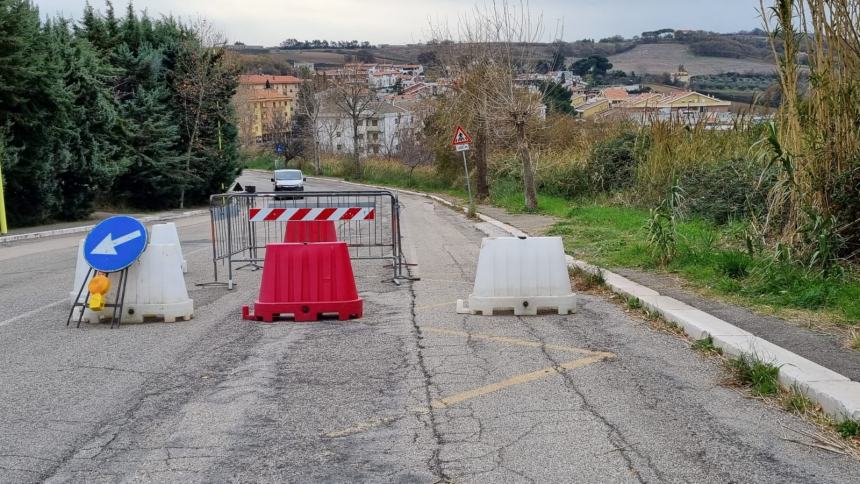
(666, 57)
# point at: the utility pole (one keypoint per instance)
(3, 227)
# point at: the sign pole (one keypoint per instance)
(468, 182)
(461, 143)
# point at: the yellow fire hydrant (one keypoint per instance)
(98, 287)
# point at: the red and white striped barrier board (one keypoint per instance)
(310, 214)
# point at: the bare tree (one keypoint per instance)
(494, 48)
(308, 107)
(199, 73)
(352, 97)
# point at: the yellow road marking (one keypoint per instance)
(511, 341)
(516, 380)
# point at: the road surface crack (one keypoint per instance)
(434, 463)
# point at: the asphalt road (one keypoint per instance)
(410, 393)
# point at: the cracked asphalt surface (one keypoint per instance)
(218, 399)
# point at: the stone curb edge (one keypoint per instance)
(86, 228)
(838, 395)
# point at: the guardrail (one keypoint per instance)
(242, 224)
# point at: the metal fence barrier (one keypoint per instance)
(243, 223)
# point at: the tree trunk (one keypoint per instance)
(482, 185)
(481, 148)
(317, 164)
(528, 174)
(190, 147)
(355, 154)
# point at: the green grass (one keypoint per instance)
(761, 377)
(260, 160)
(711, 257)
(706, 345)
(848, 428)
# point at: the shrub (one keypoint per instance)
(613, 162)
(724, 191)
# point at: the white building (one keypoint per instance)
(382, 79)
(380, 129)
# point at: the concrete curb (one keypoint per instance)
(86, 228)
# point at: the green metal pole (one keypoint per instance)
(3, 227)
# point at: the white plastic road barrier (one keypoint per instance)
(155, 289)
(166, 234)
(81, 268)
(520, 273)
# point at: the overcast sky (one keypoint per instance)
(268, 22)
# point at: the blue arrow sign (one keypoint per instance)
(115, 243)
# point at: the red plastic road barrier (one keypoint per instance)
(300, 231)
(306, 281)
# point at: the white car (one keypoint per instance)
(289, 181)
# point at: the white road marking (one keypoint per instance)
(34, 311)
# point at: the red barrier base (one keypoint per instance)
(310, 231)
(306, 281)
(304, 312)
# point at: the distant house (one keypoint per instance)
(615, 95)
(578, 99)
(593, 108)
(683, 106)
(379, 132)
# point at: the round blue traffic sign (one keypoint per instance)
(115, 243)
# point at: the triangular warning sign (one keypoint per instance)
(460, 137)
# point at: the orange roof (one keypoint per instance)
(260, 79)
(616, 94)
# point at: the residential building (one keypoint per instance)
(615, 95)
(264, 115)
(380, 130)
(687, 107)
(380, 80)
(577, 99)
(265, 106)
(593, 108)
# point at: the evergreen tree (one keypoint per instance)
(28, 90)
(154, 173)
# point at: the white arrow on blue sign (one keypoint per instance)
(115, 243)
